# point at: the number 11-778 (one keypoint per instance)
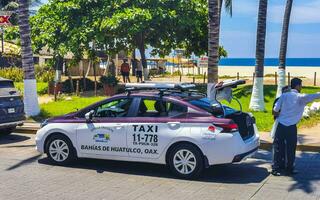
(145, 138)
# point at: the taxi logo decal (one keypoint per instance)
(101, 137)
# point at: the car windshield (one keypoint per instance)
(6, 84)
(213, 108)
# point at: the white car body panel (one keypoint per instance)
(218, 147)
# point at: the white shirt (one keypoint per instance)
(292, 106)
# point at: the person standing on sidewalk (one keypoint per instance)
(292, 106)
(125, 71)
(139, 71)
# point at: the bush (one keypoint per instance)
(13, 73)
(109, 80)
(176, 73)
(43, 74)
(42, 88)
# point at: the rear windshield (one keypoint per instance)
(214, 109)
(6, 84)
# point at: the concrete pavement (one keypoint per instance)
(25, 174)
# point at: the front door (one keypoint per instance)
(106, 133)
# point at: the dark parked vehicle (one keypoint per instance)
(11, 107)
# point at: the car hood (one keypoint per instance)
(62, 117)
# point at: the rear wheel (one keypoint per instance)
(60, 150)
(186, 161)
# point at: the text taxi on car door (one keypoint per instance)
(155, 123)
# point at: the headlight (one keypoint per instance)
(44, 123)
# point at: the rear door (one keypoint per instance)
(156, 124)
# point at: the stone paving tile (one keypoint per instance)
(25, 174)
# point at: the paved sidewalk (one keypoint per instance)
(308, 139)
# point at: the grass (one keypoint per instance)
(65, 106)
(243, 93)
(265, 119)
(42, 87)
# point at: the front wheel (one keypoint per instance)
(60, 150)
(186, 161)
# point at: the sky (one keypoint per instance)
(238, 33)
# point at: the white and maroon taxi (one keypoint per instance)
(169, 124)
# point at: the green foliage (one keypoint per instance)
(13, 73)
(43, 74)
(109, 80)
(42, 88)
(177, 73)
(64, 106)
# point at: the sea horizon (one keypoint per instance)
(271, 62)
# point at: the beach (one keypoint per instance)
(246, 72)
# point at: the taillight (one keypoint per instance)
(228, 128)
(212, 129)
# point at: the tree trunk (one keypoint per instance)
(58, 65)
(213, 46)
(257, 98)
(283, 47)
(31, 105)
(141, 46)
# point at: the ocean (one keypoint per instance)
(291, 62)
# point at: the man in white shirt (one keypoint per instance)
(292, 106)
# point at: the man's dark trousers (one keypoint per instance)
(284, 144)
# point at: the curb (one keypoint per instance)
(26, 130)
(264, 145)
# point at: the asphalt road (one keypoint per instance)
(24, 174)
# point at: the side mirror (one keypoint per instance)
(89, 115)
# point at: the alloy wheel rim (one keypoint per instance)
(59, 150)
(184, 161)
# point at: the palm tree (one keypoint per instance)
(30, 87)
(215, 7)
(283, 47)
(257, 97)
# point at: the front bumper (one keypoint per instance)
(11, 124)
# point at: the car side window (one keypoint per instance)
(175, 109)
(115, 108)
(159, 108)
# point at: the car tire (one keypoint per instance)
(7, 131)
(60, 150)
(186, 161)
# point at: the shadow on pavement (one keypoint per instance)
(231, 173)
(12, 138)
(24, 162)
(308, 165)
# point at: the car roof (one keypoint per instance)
(180, 96)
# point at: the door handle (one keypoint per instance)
(119, 126)
(174, 125)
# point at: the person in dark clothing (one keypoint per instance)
(292, 106)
